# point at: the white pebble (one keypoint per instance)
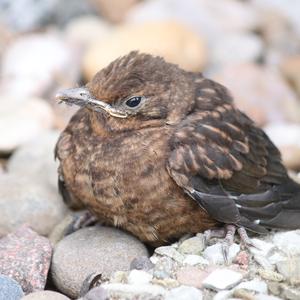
(255, 285)
(139, 277)
(288, 242)
(193, 260)
(215, 255)
(261, 248)
(184, 293)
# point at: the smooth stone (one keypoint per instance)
(90, 246)
(85, 29)
(184, 293)
(290, 268)
(27, 200)
(35, 64)
(261, 247)
(290, 67)
(222, 279)
(291, 293)
(223, 295)
(286, 136)
(266, 297)
(215, 255)
(26, 256)
(10, 289)
(141, 263)
(132, 291)
(164, 267)
(45, 295)
(192, 276)
(114, 10)
(170, 252)
(194, 245)
(193, 260)
(173, 41)
(260, 82)
(25, 121)
(39, 150)
(97, 293)
(255, 285)
(288, 242)
(264, 262)
(270, 275)
(139, 277)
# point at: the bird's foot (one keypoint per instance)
(81, 220)
(228, 233)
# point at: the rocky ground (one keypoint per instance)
(251, 46)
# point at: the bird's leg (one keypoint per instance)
(214, 233)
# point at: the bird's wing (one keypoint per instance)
(218, 154)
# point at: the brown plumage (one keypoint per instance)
(161, 152)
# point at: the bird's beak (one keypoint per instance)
(82, 97)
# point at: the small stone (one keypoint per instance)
(215, 255)
(222, 279)
(97, 293)
(141, 263)
(261, 247)
(132, 291)
(270, 275)
(25, 121)
(169, 39)
(290, 268)
(243, 294)
(291, 293)
(194, 245)
(170, 252)
(25, 256)
(29, 200)
(193, 260)
(139, 277)
(191, 276)
(288, 242)
(89, 246)
(9, 289)
(45, 295)
(266, 297)
(166, 283)
(184, 293)
(276, 257)
(255, 285)
(242, 259)
(223, 295)
(119, 277)
(264, 262)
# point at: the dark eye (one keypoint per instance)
(133, 102)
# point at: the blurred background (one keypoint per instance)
(251, 46)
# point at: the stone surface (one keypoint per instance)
(215, 255)
(195, 260)
(191, 276)
(25, 256)
(21, 121)
(170, 252)
(286, 136)
(40, 151)
(139, 277)
(9, 289)
(290, 68)
(184, 293)
(98, 293)
(194, 245)
(288, 242)
(164, 267)
(176, 43)
(222, 279)
(255, 285)
(279, 102)
(290, 268)
(27, 200)
(141, 263)
(34, 64)
(45, 295)
(99, 249)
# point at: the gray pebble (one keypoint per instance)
(9, 289)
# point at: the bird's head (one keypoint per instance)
(136, 86)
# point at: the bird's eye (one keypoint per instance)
(133, 102)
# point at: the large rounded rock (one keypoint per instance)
(45, 295)
(21, 121)
(25, 200)
(95, 249)
(175, 42)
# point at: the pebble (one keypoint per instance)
(139, 277)
(270, 275)
(39, 150)
(194, 245)
(266, 297)
(264, 262)
(192, 276)
(141, 263)
(25, 256)
(261, 247)
(184, 293)
(222, 279)
(26, 73)
(90, 246)
(255, 285)
(171, 40)
(9, 288)
(280, 103)
(97, 293)
(215, 255)
(170, 252)
(223, 295)
(132, 291)
(26, 200)
(288, 242)
(290, 268)
(291, 293)
(193, 260)
(45, 295)
(22, 120)
(164, 267)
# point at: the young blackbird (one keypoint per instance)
(162, 152)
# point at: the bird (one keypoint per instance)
(161, 152)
